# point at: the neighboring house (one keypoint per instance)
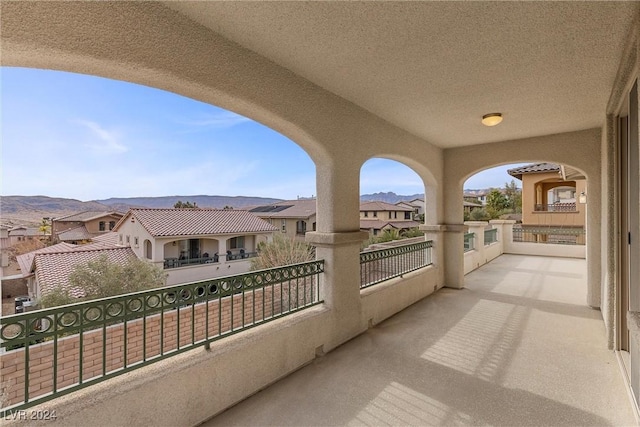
(376, 217)
(194, 244)
(22, 234)
(416, 204)
(49, 268)
(479, 195)
(4, 246)
(550, 195)
(469, 206)
(82, 227)
(292, 217)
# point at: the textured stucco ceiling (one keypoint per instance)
(434, 68)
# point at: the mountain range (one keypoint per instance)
(31, 209)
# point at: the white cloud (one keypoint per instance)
(104, 141)
(218, 120)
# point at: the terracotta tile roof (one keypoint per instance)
(87, 216)
(378, 224)
(76, 233)
(533, 168)
(53, 269)
(195, 222)
(25, 261)
(286, 209)
(382, 206)
(107, 239)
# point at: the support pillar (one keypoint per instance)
(454, 256)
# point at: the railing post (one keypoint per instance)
(505, 233)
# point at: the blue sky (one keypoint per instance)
(87, 138)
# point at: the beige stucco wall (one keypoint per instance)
(530, 198)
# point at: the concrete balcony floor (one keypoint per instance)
(517, 346)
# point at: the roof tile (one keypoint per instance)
(193, 222)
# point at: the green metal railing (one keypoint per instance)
(469, 241)
(384, 264)
(550, 235)
(490, 236)
(51, 352)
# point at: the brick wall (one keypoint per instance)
(217, 314)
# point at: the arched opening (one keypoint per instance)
(148, 249)
(148, 148)
(392, 201)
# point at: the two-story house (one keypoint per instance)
(551, 195)
(194, 244)
(292, 217)
(378, 216)
(81, 227)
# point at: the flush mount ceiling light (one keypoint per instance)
(491, 119)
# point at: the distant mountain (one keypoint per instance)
(31, 209)
(123, 204)
(389, 197)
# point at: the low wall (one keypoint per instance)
(191, 387)
(546, 249)
(385, 299)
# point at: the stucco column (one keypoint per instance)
(337, 240)
(454, 255)
(505, 232)
(435, 233)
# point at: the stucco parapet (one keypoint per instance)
(476, 223)
(317, 238)
(456, 228)
(433, 228)
(502, 221)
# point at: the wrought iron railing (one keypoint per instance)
(469, 241)
(48, 353)
(559, 236)
(384, 264)
(185, 262)
(556, 207)
(490, 236)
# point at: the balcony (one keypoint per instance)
(556, 207)
(517, 347)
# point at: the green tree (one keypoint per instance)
(497, 203)
(514, 196)
(44, 226)
(389, 235)
(282, 250)
(188, 205)
(479, 215)
(102, 278)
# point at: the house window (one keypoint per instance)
(395, 215)
(236, 243)
(301, 227)
(101, 226)
(120, 238)
(389, 215)
(407, 215)
(375, 214)
(135, 241)
(283, 225)
(128, 239)
(112, 224)
(375, 232)
(314, 226)
(366, 214)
